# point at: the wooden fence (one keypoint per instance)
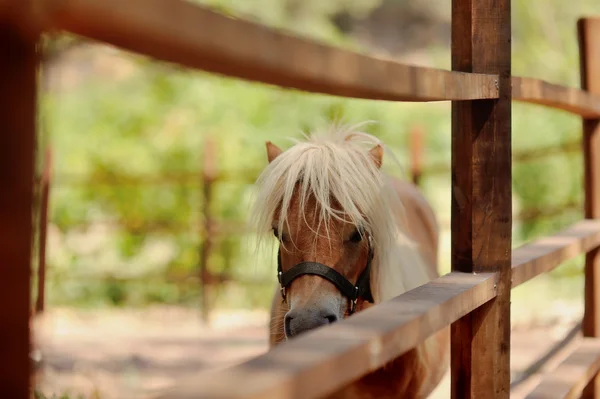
(474, 298)
(212, 227)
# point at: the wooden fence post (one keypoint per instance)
(589, 50)
(18, 62)
(416, 154)
(481, 197)
(208, 177)
(44, 202)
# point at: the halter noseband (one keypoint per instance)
(362, 288)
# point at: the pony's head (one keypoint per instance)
(327, 203)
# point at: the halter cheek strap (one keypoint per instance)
(362, 288)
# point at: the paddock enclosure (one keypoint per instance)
(474, 298)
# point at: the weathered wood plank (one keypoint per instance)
(187, 45)
(547, 253)
(568, 380)
(179, 31)
(481, 197)
(3, 9)
(271, 57)
(568, 99)
(589, 41)
(317, 363)
(17, 145)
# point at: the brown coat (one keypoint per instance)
(416, 373)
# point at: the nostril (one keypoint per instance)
(297, 322)
(331, 318)
(287, 324)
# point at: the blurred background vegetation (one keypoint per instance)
(128, 139)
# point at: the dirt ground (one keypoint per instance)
(123, 354)
(129, 354)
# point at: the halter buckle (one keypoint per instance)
(283, 295)
(354, 301)
(281, 287)
(353, 306)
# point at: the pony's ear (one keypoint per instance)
(272, 151)
(376, 154)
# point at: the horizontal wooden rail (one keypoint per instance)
(181, 32)
(545, 254)
(190, 35)
(443, 167)
(565, 98)
(569, 379)
(321, 361)
(193, 36)
(342, 352)
(249, 175)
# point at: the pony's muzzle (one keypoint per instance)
(303, 320)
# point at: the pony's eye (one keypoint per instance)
(356, 236)
(283, 238)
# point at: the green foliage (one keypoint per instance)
(116, 243)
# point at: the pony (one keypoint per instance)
(350, 237)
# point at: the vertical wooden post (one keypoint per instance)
(18, 64)
(416, 154)
(589, 50)
(481, 197)
(44, 202)
(208, 177)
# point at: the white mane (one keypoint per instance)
(336, 165)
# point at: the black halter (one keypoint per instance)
(362, 288)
